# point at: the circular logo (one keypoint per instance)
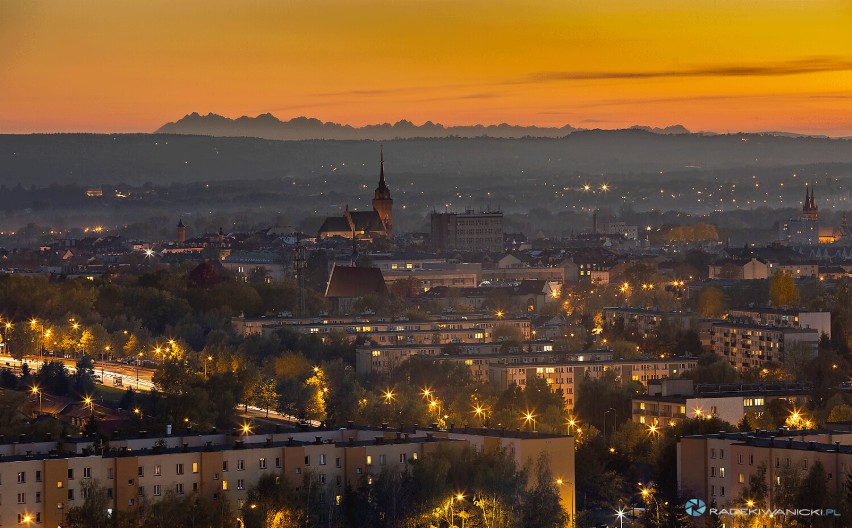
(695, 507)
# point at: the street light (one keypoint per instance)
(648, 495)
(39, 339)
(6, 337)
(206, 360)
(389, 396)
(614, 420)
(457, 497)
(572, 423)
(530, 417)
(479, 412)
(138, 361)
(620, 514)
(103, 360)
(35, 390)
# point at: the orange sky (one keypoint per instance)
(721, 65)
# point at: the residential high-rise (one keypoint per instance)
(468, 231)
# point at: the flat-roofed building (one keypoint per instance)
(784, 317)
(468, 231)
(749, 345)
(717, 468)
(670, 401)
(565, 376)
(644, 322)
(40, 485)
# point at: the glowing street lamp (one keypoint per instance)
(620, 515)
(246, 429)
(207, 360)
(40, 337)
(389, 396)
(529, 417)
(36, 390)
(90, 403)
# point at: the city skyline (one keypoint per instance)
(717, 66)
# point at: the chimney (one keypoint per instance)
(317, 440)
(351, 441)
(380, 440)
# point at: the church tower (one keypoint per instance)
(181, 232)
(382, 202)
(809, 208)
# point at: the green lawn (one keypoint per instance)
(110, 395)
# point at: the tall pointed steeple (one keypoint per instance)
(809, 208)
(382, 201)
(382, 191)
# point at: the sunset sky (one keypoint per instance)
(720, 65)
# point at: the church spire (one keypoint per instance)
(382, 191)
(382, 166)
(809, 208)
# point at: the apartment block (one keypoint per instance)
(644, 322)
(670, 401)
(749, 345)
(40, 481)
(717, 467)
(785, 318)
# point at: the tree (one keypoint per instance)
(711, 302)
(203, 275)
(540, 506)
(783, 290)
(840, 413)
(265, 395)
(53, 378)
(95, 508)
(84, 377)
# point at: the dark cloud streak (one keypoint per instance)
(795, 67)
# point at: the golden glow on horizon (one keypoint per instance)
(722, 65)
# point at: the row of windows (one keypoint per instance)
(22, 475)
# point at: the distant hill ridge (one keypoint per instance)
(267, 126)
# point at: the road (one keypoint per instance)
(111, 374)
